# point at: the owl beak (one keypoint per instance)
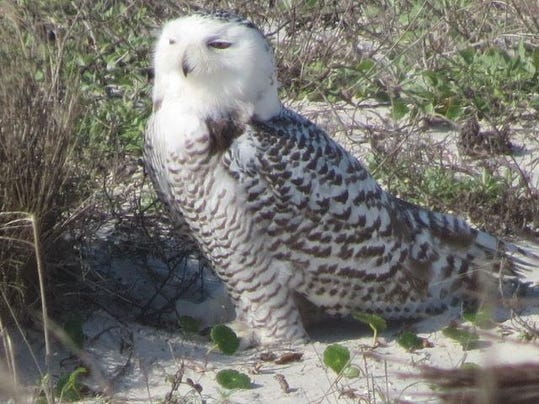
(186, 67)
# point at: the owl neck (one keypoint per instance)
(267, 105)
(215, 102)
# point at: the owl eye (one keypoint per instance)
(171, 41)
(219, 44)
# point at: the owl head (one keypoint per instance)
(215, 65)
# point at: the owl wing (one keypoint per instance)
(315, 198)
(305, 188)
(296, 164)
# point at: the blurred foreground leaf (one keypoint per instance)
(225, 339)
(232, 379)
(336, 357)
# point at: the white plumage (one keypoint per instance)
(283, 212)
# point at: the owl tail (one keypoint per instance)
(507, 258)
(519, 260)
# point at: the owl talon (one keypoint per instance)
(245, 334)
(250, 338)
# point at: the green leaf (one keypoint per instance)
(432, 77)
(374, 321)
(535, 57)
(69, 387)
(410, 341)
(399, 108)
(350, 372)
(189, 324)
(454, 110)
(377, 323)
(467, 339)
(232, 379)
(427, 108)
(480, 319)
(336, 357)
(39, 75)
(225, 339)
(468, 55)
(366, 65)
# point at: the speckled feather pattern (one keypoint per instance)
(280, 209)
(284, 210)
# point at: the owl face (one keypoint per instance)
(224, 63)
(205, 48)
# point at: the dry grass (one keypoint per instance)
(38, 112)
(39, 109)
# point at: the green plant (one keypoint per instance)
(39, 109)
(481, 319)
(490, 81)
(69, 388)
(410, 341)
(232, 379)
(468, 340)
(225, 339)
(336, 357)
(375, 322)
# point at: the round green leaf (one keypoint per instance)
(377, 323)
(336, 357)
(409, 341)
(225, 339)
(350, 372)
(232, 379)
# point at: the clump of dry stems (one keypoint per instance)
(39, 109)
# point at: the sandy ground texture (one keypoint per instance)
(133, 362)
(130, 362)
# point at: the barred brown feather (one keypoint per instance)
(280, 209)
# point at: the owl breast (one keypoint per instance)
(188, 170)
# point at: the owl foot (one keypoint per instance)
(252, 337)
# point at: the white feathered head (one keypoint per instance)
(216, 64)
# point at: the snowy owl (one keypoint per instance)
(283, 212)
